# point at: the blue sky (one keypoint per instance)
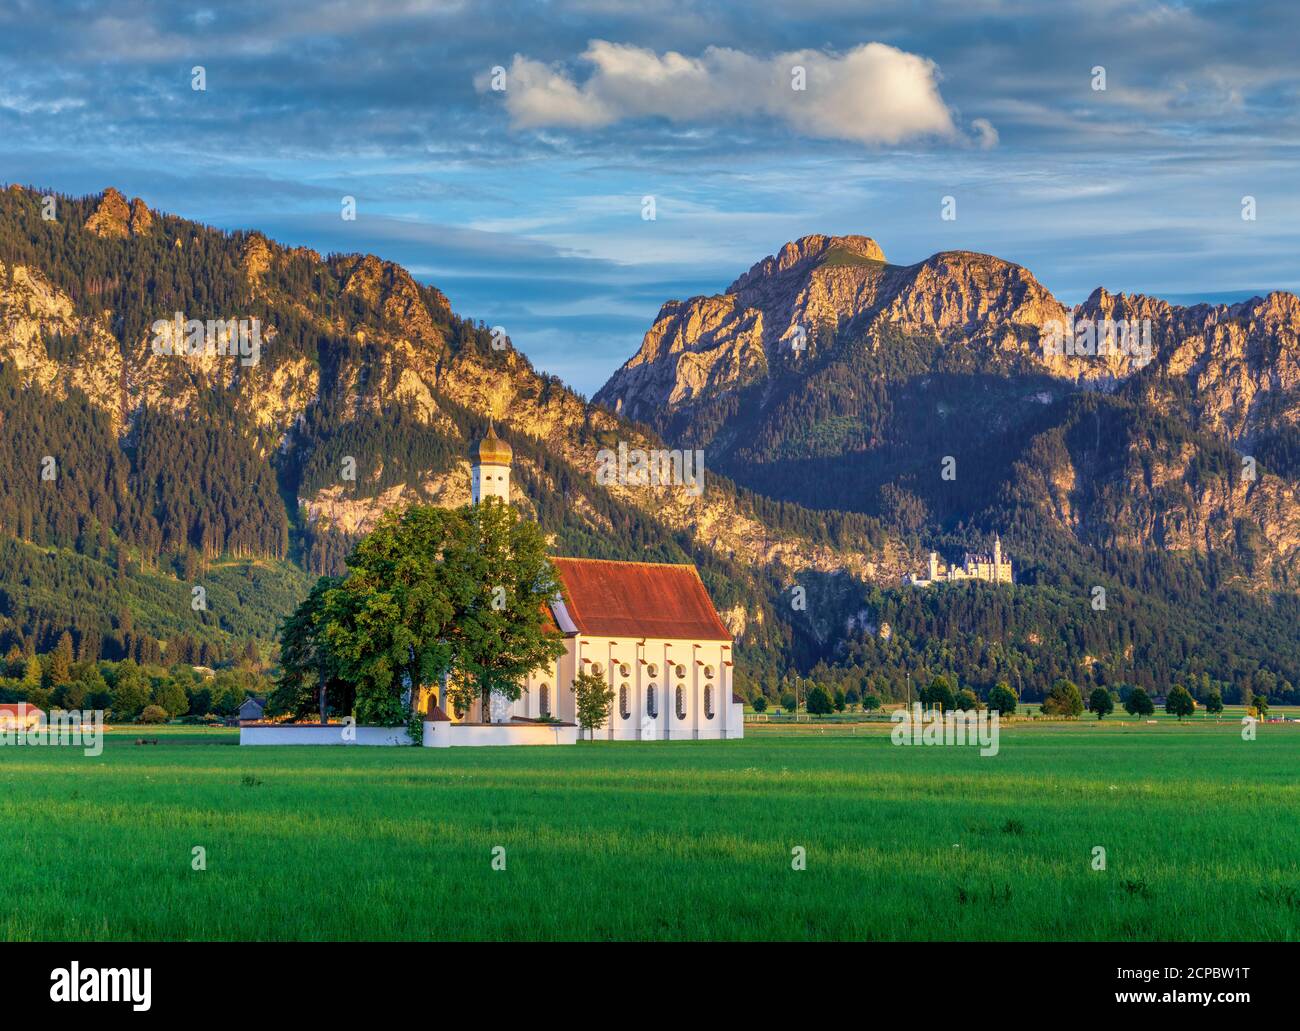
(525, 204)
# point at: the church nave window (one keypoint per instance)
(544, 699)
(681, 702)
(623, 710)
(708, 701)
(651, 709)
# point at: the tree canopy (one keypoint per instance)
(428, 592)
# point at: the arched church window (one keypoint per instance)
(544, 699)
(624, 669)
(623, 710)
(651, 706)
(708, 672)
(598, 668)
(708, 701)
(681, 672)
(681, 702)
(652, 670)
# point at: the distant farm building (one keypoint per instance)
(20, 716)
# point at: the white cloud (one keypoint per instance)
(874, 94)
(986, 135)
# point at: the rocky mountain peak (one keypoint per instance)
(256, 258)
(390, 288)
(809, 252)
(114, 217)
(822, 292)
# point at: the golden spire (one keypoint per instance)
(492, 450)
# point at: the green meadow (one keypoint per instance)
(680, 840)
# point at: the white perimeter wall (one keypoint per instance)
(436, 735)
(452, 735)
(333, 734)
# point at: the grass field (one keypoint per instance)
(661, 840)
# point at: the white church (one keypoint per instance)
(649, 629)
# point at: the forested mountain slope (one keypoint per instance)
(170, 466)
(924, 396)
(133, 477)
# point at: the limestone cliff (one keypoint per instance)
(769, 373)
(114, 217)
(821, 290)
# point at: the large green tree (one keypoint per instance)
(1002, 699)
(1138, 703)
(131, 691)
(308, 678)
(1179, 702)
(939, 694)
(171, 697)
(1063, 699)
(1100, 702)
(818, 702)
(433, 591)
(388, 623)
(502, 587)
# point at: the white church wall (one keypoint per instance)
(735, 725)
(711, 690)
(735, 721)
(656, 663)
(614, 655)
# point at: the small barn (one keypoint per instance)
(20, 716)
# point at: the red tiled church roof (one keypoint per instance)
(638, 599)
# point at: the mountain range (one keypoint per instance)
(825, 375)
(853, 415)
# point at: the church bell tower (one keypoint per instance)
(491, 470)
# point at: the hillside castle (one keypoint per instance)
(992, 568)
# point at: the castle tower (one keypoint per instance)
(491, 470)
(997, 554)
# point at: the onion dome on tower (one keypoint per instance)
(492, 450)
(490, 475)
